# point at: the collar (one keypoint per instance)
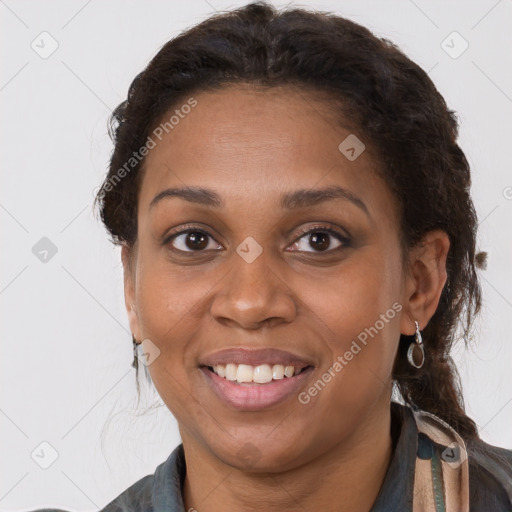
(396, 492)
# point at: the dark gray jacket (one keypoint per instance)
(490, 475)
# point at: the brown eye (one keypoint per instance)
(191, 241)
(196, 240)
(320, 240)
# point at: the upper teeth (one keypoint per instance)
(260, 374)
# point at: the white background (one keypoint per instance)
(66, 346)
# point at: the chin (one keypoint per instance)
(259, 457)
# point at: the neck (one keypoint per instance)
(347, 477)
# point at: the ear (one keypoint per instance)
(425, 280)
(127, 257)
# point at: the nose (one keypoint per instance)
(253, 295)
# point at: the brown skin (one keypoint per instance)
(250, 147)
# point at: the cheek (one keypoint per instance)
(170, 308)
(360, 310)
(354, 296)
(168, 297)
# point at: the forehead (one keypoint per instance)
(252, 145)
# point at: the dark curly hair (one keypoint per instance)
(369, 83)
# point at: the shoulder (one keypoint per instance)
(138, 497)
(483, 470)
(158, 491)
(490, 476)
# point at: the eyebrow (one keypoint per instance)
(301, 198)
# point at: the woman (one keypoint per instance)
(297, 239)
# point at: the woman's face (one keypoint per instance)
(330, 300)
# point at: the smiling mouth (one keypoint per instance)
(245, 374)
(245, 393)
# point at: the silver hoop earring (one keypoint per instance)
(416, 352)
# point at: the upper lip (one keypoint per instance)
(256, 357)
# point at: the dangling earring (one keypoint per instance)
(135, 350)
(416, 353)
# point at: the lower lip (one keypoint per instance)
(254, 397)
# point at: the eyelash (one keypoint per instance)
(306, 231)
